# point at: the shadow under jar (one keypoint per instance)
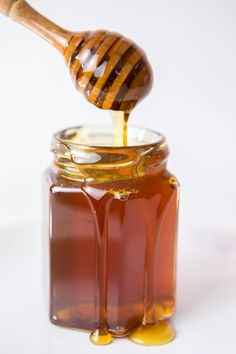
(110, 230)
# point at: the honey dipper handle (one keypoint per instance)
(20, 11)
(5, 6)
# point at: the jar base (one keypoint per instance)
(159, 333)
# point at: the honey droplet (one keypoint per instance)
(100, 337)
(153, 334)
(173, 182)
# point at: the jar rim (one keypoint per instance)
(77, 158)
(66, 135)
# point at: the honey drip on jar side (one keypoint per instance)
(100, 211)
(153, 331)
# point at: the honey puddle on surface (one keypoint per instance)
(158, 333)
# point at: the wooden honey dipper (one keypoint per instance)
(110, 70)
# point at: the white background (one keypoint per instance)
(191, 45)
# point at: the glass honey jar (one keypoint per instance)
(110, 230)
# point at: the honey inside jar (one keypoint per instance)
(112, 217)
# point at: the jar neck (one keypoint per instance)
(80, 162)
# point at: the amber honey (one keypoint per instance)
(113, 218)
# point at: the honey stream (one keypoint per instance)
(120, 128)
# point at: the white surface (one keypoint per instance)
(191, 45)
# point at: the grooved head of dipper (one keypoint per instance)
(110, 70)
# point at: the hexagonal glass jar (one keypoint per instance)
(110, 230)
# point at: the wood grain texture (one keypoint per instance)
(21, 12)
(5, 6)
